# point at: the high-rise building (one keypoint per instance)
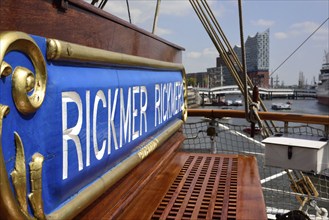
(257, 59)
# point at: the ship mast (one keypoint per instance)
(326, 57)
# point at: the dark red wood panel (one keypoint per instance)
(84, 24)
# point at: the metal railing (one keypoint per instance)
(226, 132)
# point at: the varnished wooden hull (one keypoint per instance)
(120, 183)
(79, 22)
(72, 47)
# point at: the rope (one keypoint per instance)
(128, 9)
(300, 45)
(226, 52)
(244, 65)
(94, 2)
(156, 15)
(102, 4)
(254, 118)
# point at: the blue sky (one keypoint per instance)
(290, 23)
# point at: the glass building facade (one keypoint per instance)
(257, 59)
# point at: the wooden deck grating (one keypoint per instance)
(201, 186)
(180, 185)
(205, 188)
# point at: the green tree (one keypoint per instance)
(191, 81)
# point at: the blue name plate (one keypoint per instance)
(91, 119)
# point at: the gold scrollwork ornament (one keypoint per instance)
(5, 69)
(19, 181)
(19, 175)
(23, 80)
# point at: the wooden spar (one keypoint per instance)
(244, 64)
(255, 95)
(285, 117)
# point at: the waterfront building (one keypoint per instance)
(214, 77)
(199, 79)
(228, 79)
(257, 60)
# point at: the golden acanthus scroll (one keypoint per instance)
(28, 91)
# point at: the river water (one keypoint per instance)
(300, 106)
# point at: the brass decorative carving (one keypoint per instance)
(4, 110)
(5, 69)
(53, 48)
(149, 148)
(19, 180)
(64, 51)
(9, 207)
(19, 175)
(36, 182)
(23, 80)
(185, 95)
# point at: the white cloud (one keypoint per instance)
(138, 16)
(162, 31)
(117, 8)
(263, 23)
(206, 52)
(280, 35)
(194, 55)
(199, 61)
(309, 27)
(219, 10)
(139, 10)
(210, 52)
(304, 29)
(176, 8)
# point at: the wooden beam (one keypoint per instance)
(274, 116)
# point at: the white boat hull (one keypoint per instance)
(323, 93)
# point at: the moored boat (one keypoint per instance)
(323, 85)
(281, 106)
(228, 102)
(237, 102)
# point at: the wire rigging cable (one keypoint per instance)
(244, 63)
(103, 3)
(225, 50)
(300, 45)
(128, 9)
(156, 15)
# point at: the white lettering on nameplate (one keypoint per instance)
(169, 101)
